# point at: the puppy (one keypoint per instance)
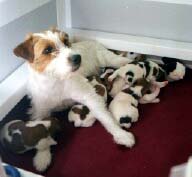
(19, 137)
(174, 69)
(130, 73)
(80, 114)
(151, 96)
(57, 76)
(113, 87)
(124, 105)
(141, 68)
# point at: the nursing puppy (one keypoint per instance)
(130, 73)
(79, 114)
(113, 87)
(57, 76)
(19, 137)
(174, 69)
(141, 68)
(124, 105)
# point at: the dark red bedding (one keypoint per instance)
(163, 134)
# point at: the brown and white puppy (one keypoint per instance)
(79, 114)
(58, 74)
(114, 86)
(19, 137)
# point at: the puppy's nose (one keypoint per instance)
(75, 59)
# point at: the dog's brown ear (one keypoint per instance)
(64, 37)
(25, 49)
(54, 29)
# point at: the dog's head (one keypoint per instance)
(142, 84)
(49, 53)
(175, 70)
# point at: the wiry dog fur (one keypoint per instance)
(57, 76)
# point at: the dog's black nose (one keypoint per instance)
(76, 59)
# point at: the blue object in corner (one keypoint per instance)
(11, 171)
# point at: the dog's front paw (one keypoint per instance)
(125, 138)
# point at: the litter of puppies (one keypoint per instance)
(138, 82)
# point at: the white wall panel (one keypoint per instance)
(14, 33)
(155, 18)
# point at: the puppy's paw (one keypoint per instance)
(89, 123)
(127, 126)
(124, 138)
(157, 100)
(78, 123)
(164, 83)
(111, 78)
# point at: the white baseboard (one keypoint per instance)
(13, 89)
(138, 44)
(185, 2)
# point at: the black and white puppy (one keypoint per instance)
(174, 69)
(124, 105)
(140, 69)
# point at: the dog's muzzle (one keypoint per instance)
(75, 61)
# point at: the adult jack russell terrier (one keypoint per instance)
(57, 76)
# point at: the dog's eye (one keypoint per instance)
(48, 50)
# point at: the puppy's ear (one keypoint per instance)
(167, 60)
(141, 57)
(25, 49)
(170, 67)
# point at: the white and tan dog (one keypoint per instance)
(57, 76)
